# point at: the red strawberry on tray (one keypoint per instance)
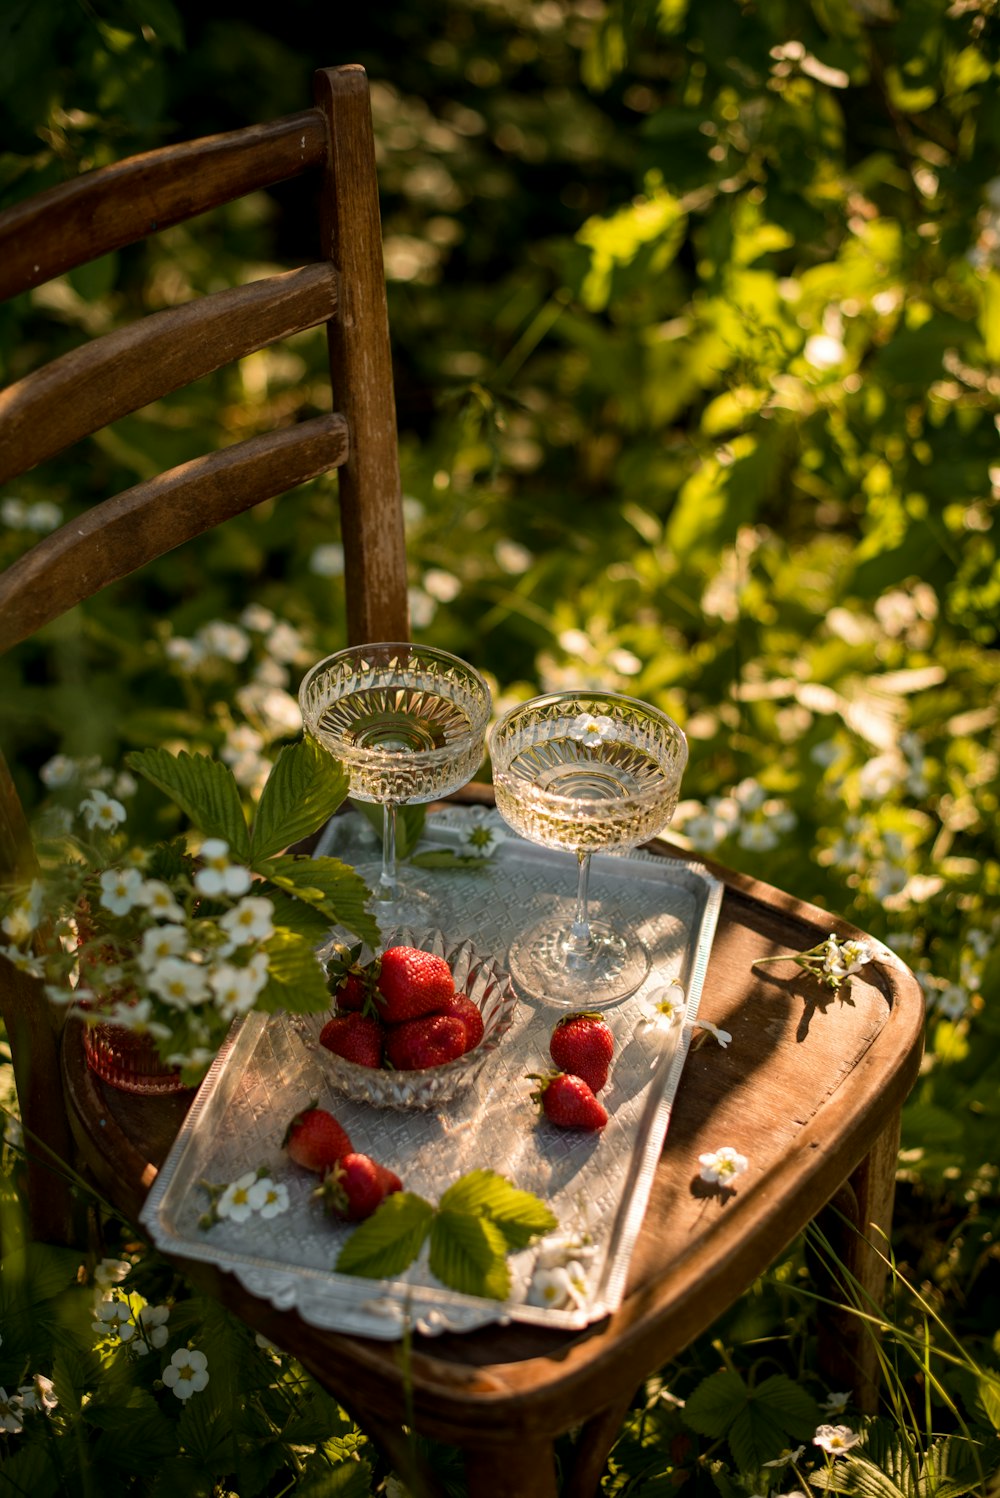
(355, 1186)
(315, 1140)
(568, 1102)
(583, 1045)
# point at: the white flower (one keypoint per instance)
(58, 771)
(249, 921)
(256, 617)
(277, 710)
(836, 1404)
(482, 833)
(328, 560)
(120, 889)
(284, 642)
(235, 1202)
(835, 1439)
(10, 1413)
(100, 810)
(135, 1016)
(111, 1272)
(512, 557)
(667, 1006)
(227, 641)
(187, 653)
(218, 876)
(186, 1373)
(161, 942)
(268, 1198)
(591, 729)
(179, 983)
(38, 1394)
(563, 1285)
(236, 988)
(757, 837)
(23, 918)
(153, 1325)
(722, 1036)
(114, 1318)
(27, 962)
(722, 1165)
(565, 1248)
(160, 901)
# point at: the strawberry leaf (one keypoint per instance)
(469, 1254)
(388, 1241)
(519, 1215)
(296, 983)
(203, 788)
(304, 789)
(331, 887)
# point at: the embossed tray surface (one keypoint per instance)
(596, 1184)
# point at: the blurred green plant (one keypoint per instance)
(696, 318)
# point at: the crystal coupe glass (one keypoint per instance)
(408, 723)
(584, 772)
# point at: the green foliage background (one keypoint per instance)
(696, 316)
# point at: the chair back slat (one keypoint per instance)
(122, 534)
(107, 378)
(114, 206)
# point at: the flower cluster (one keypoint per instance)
(132, 1322)
(747, 815)
(171, 941)
(559, 1280)
(832, 961)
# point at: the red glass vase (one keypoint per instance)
(128, 1059)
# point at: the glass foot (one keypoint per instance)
(548, 962)
(408, 905)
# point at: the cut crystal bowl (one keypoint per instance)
(482, 979)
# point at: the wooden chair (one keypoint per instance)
(810, 1090)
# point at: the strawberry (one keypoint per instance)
(583, 1044)
(411, 982)
(568, 1102)
(350, 982)
(357, 1037)
(315, 1139)
(462, 1007)
(355, 1186)
(431, 1040)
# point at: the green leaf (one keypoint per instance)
(203, 788)
(520, 1215)
(388, 1241)
(715, 1403)
(351, 1479)
(207, 1435)
(296, 984)
(335, 889)
(469, 1254)
(149, 1434)
(989, 1398)
(303, 790)
(790, 1406)
(30, 1470)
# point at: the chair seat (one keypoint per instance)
(809, 1083)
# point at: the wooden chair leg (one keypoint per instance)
(593, 1443)
(524, 1467)
(857, 1226)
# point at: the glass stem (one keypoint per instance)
(387, 880)
(580, 930)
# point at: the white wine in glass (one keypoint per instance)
(408, 723)
(584, 772)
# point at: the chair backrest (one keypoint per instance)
(78, 393)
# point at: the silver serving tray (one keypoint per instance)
(596, 1184)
